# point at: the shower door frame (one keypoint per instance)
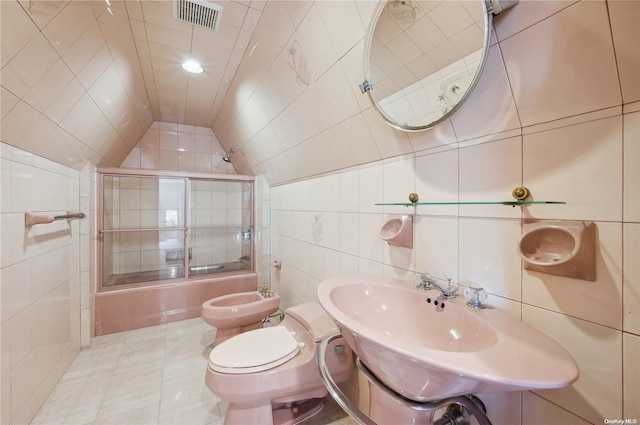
(179, 175)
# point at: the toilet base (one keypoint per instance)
(225, 334)
(265, 414)
(298, 412)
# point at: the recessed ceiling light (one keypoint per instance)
(193, 67)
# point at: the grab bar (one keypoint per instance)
(32, 219)
(145, 229)
(332, 387)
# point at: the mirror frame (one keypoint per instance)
(368, 85)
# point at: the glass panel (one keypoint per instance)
(220, 234)
(143, 202)
(134, 257)
(143, 228)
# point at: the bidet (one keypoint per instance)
(240, 312)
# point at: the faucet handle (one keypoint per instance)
(422, 280)
(266, 292)
(475, 296)
(451, 284)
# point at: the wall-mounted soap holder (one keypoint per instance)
(561, 248)
(398, 231)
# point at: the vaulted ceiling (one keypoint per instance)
(164, 43)
(83, 80)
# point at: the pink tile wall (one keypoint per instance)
(556, 110)
(177, 147)
(71, 76)
(40, 281)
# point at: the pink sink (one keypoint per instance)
(427, 352)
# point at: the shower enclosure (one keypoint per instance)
(166, 227)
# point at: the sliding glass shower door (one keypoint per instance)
(147, 221)
(221, 228)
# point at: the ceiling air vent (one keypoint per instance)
(198, 12)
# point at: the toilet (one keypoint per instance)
(240, 312)
(269, 376)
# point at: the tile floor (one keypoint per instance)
(149, 376)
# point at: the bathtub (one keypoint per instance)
(120, 310)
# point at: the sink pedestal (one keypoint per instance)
(429, 352)
(386, 409)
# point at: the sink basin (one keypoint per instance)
(428, 351)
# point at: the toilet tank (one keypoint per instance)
(313, 317)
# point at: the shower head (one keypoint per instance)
(226, 157)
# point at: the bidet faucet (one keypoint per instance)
(424, 281)
(266, 292)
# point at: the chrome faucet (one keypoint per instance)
(424, 281)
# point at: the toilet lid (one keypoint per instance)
(254, 351)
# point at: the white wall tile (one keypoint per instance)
(28, 66)
(370, 182)
(631, 275)
(349, 233)
(488, 257)
(565, 92)
(348, 264)
(437, 181)
(537, 410)
(325, 193)
(17, 30)
(438, 136)
(568, 174)
(623, 16)
(398, 183)
(499, 165)
(597, 351)
(329, 223)
(390, 142)
(545, 86)
(369, 267)
(337, 99)
(525, 15)
(631, 348)
(530, 121)
(348, 191)
(370, 246)
(318, 48)
(631, 152)
(38, 266)
(477, 116)
(358, 136)
(503, 407)
(343, 24)
(436, 246)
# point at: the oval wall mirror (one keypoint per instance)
(424, 57)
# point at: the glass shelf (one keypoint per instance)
(510, 203)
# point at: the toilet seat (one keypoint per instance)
(254, 351)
